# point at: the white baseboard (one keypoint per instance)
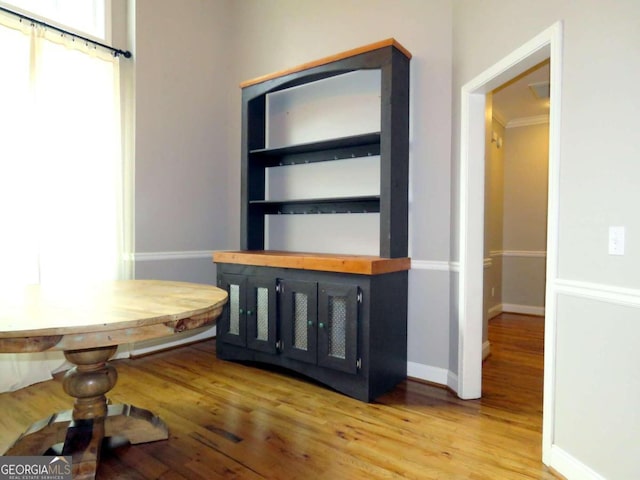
(495, 310)
(440, 376)
(569, 466)
(514, 308)
(523, 309)
(452, 381)
(486, 349)
(150, 346)
(427, 372)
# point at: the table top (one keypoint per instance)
(38, 318)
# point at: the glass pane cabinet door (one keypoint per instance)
(234, 309)
(338, 326)
(261, 314)
(299, 320)
(300, 337)
(231, 327)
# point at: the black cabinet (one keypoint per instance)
(339, 319)
(338, 326)
(250, 319)
(299, 315)
(345, 330)
(319, 323)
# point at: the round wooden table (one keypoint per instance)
(88, 322)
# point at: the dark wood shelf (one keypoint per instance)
(354, 146)
(361, 204)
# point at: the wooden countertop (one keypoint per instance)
(357, 264)
(332, 58)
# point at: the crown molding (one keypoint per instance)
(500, 119)
(527, 121)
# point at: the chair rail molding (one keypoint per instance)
(438, 265)
(518, 253)
(175, 255)
(629, 297)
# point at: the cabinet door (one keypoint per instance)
(261, 314)
(338, 326)
(298, 315)
(231, 327)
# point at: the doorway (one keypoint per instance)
(516, 176)
(472, 143)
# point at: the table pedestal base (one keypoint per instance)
(135, 424)
(83, 429)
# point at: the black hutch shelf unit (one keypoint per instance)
(391, 143)
(339, 319)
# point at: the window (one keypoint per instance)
(63, 173)
(88, 17)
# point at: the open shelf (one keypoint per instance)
(363, 145)
(386, 141)
(362, 204)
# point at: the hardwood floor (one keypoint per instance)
(229, 420)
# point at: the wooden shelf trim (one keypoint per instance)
(357, 264)
(332, 58)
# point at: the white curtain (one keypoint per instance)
(62, 212)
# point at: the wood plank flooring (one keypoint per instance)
(235, 421)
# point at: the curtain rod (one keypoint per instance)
(116, 51)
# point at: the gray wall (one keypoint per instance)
(272, 36)
(189, 61)
(526, 154)
(598, 295)
(516, 178)
(182, 156)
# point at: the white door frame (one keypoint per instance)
(547, 44)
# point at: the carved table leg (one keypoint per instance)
(91, 420)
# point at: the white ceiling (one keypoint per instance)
(515, 100)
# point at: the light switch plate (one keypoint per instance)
(616, 240)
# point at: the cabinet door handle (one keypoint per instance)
(310, 323)
(321, 325)
(249, 312)
(241, 311)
